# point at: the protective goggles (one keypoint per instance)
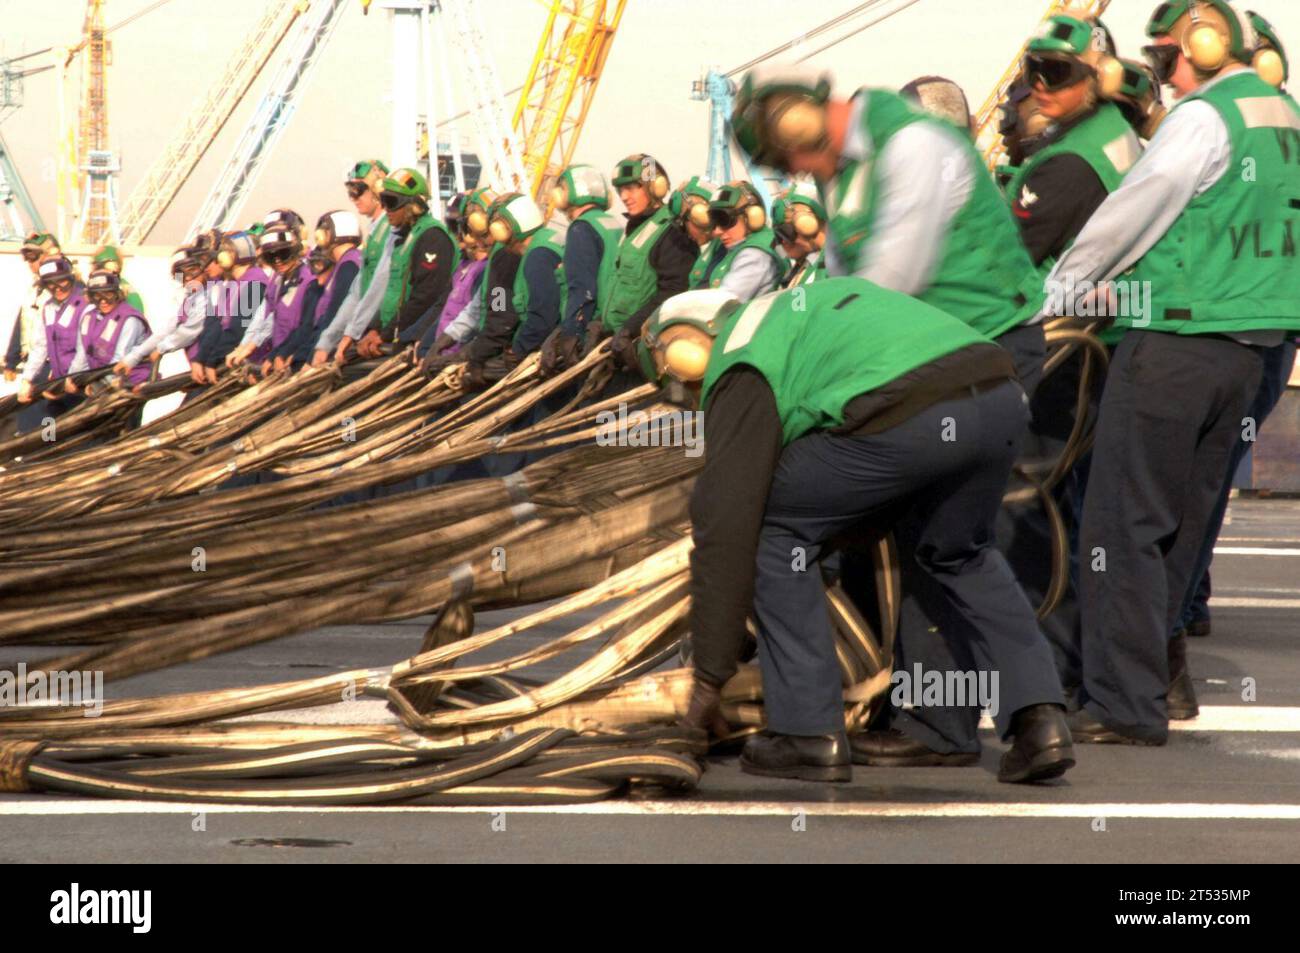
(724, 218)
(1163, 59)
(1053, 73)
(59, 284)
(785, 233)
(356, 189)
(97, 297)
(391, 201)
(32, 254)
(319, 266)
(278, 256)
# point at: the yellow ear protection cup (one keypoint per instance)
(1270, 67)
(796, 123)
(477, 222)
(686, 357)
(653, 178)
(755, 217)
(1110, 77)
(806, 224)
(699, 213)
(322, 238)
(1214, 32)
(226, 259)
(559, 197)
(500, 231)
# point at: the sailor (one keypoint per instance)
(51, 353)
(940, 97)
(27, 321)
(363, 183)
(741, 258)
(654, 261)
(109, 258)
(335, 262)
(467, 217)
(799, 222)
(523, 296)
(280, 250)
(423, 260)
(238, 299)
(110, 328)
(910, 205)
(825, 406)
(1210, 301)
(591, 245)
(1270, 62)
(689, 206)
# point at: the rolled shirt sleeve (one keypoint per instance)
(1188, 154)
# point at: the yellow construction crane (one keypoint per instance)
(986, 120)
(561, 84)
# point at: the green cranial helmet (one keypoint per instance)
(408, 182)
(580, 185)
(760, 135)
(1269, 43)
(514, 217)
(667, 352)
(696, 187)
(782, 208)
(1241, 38)
(106, 253)
(1063, 35)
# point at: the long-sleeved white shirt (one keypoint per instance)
(198, 306)
(465, 325)
(926, 175)
(38, 353)
(752, 273)
(1189, 154)
(357, 310)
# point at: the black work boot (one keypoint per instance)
(1042, 749)
(1181, 699)
(815, 758)
(1087, 730)
(1199, 629)
(893, 749)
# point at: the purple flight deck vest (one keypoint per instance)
(327, 295)
(462, 292)
(62, 325)
(99, 336)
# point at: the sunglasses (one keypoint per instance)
(1054, 74)
(356, 189)
(1163, 60)
(391, 201)
(724, 218)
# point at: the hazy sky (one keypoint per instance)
(164, 62)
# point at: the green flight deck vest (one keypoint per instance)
(634, 281)
(984, 275)
(715, 270)
(399, 273)
(845, 337)
(1228, 265)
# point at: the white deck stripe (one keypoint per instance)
(1252, 718)
(1241, 602)
(1254, 551)
(46, 807)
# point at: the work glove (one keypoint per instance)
(559, 352)
(623, 348)
(704, 710)
(475, 376)
(595, 334)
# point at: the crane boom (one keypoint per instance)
(228, 194)
(987, 139)
(173, 167)
(561, 84)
